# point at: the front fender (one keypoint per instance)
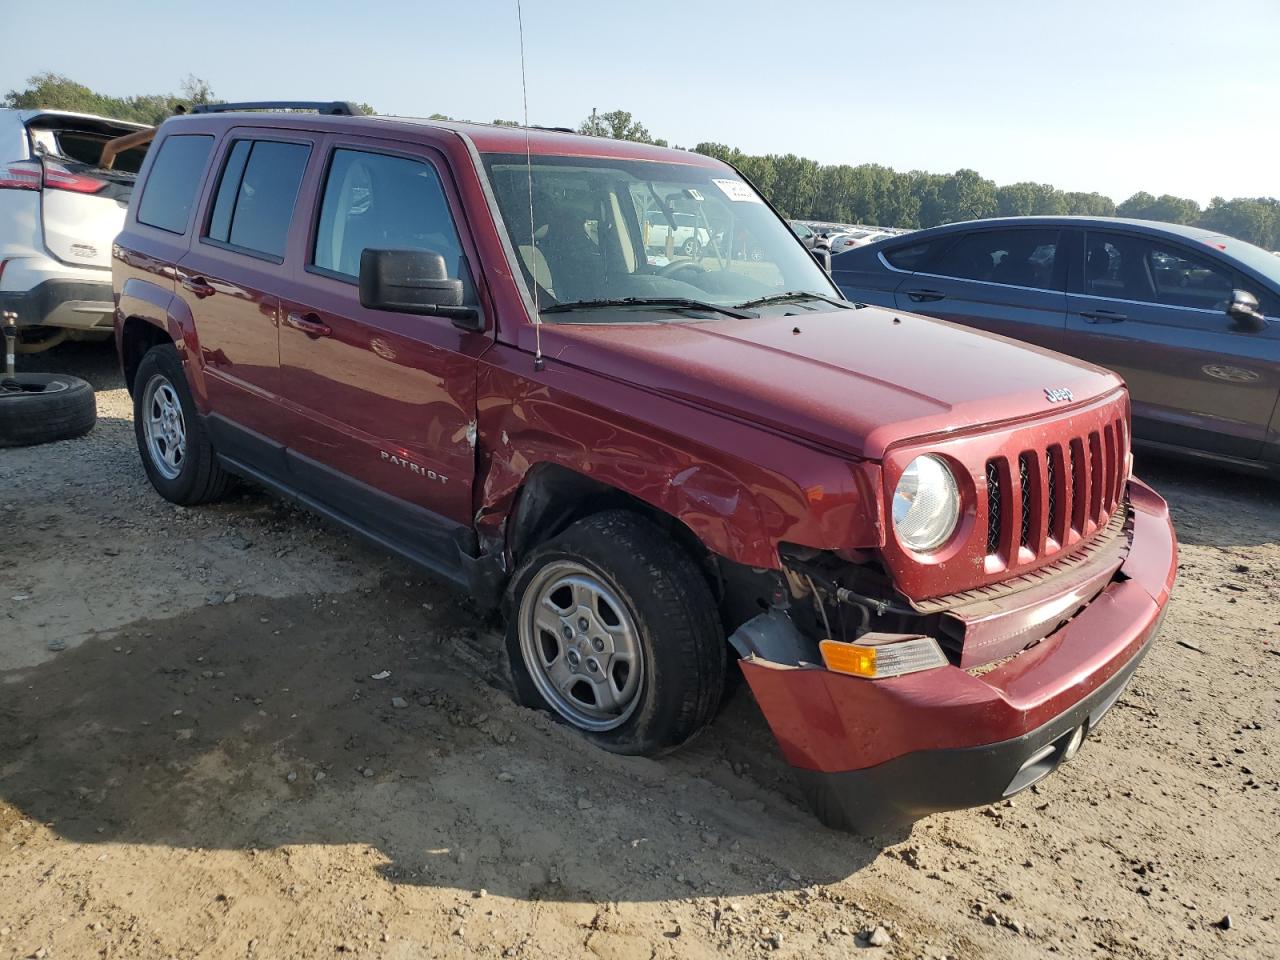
(741, 490)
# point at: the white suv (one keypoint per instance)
(60, 210)
(688, 237)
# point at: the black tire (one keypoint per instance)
(670, 601)
(44, 407)
(199, 478)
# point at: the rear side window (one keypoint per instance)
(171, 185)
(1018, 258)
(256, 195)
(914, 257)
(384, 202)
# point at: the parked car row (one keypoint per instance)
(462, 342)
(1180, 312)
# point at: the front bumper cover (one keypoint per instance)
(877, 755)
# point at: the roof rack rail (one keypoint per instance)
(555, 129)
(336, 108)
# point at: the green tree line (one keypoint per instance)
(801, 188)
(51, 91)
(874, 194)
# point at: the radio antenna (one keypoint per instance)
(533, 229)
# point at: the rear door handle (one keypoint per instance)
(198, 286)
(310, 325)
(1102, 316)
(925, 296)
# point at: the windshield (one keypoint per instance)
(611, 231)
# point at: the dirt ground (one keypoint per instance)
(208, 769)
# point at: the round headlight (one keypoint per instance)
(926, 504)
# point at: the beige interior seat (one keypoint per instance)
(536, 263)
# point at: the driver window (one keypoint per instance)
(373, 200)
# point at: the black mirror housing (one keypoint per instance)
(412, 281)
(1244, 309)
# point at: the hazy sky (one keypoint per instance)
(1176, 96)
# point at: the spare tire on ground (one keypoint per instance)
(43, 407)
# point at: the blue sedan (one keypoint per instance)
(1189, 318)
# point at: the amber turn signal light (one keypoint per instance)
(876, 656)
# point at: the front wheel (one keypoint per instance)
(613, 629)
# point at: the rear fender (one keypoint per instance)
(141, 301)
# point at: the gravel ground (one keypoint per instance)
(208, 768)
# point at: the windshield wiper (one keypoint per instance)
(675, 303)
(796, 295)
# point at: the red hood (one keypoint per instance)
(854, 381)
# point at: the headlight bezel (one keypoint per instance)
(939, 471)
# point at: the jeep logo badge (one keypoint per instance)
(1057, 394)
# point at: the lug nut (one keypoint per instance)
(593, 666)
(598, 644)
(582, 623)
(572, 657)
(568, 632)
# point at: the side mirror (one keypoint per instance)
(1243, 308)
(413, 281)
(823, 256)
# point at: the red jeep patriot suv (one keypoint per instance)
(922, 545)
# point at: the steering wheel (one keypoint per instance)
(675, 266)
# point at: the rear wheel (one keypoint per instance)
(172, 441)
(614, 630)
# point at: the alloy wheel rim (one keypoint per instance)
(164, 426)
(581, 646)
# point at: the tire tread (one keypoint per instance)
(27, 419)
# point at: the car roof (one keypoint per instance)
(487, 138)
(1132, 223)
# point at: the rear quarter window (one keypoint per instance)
(170, 188)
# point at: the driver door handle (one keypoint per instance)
(1102, 316)
(925, 296)
(311, 325)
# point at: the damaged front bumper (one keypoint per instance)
(874, 755)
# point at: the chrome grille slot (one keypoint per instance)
(994, 497)
(1095, 476)
(1051, 476)
(1024, 478)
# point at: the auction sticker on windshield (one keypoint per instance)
(737, 190)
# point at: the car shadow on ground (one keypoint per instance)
(257, 726)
